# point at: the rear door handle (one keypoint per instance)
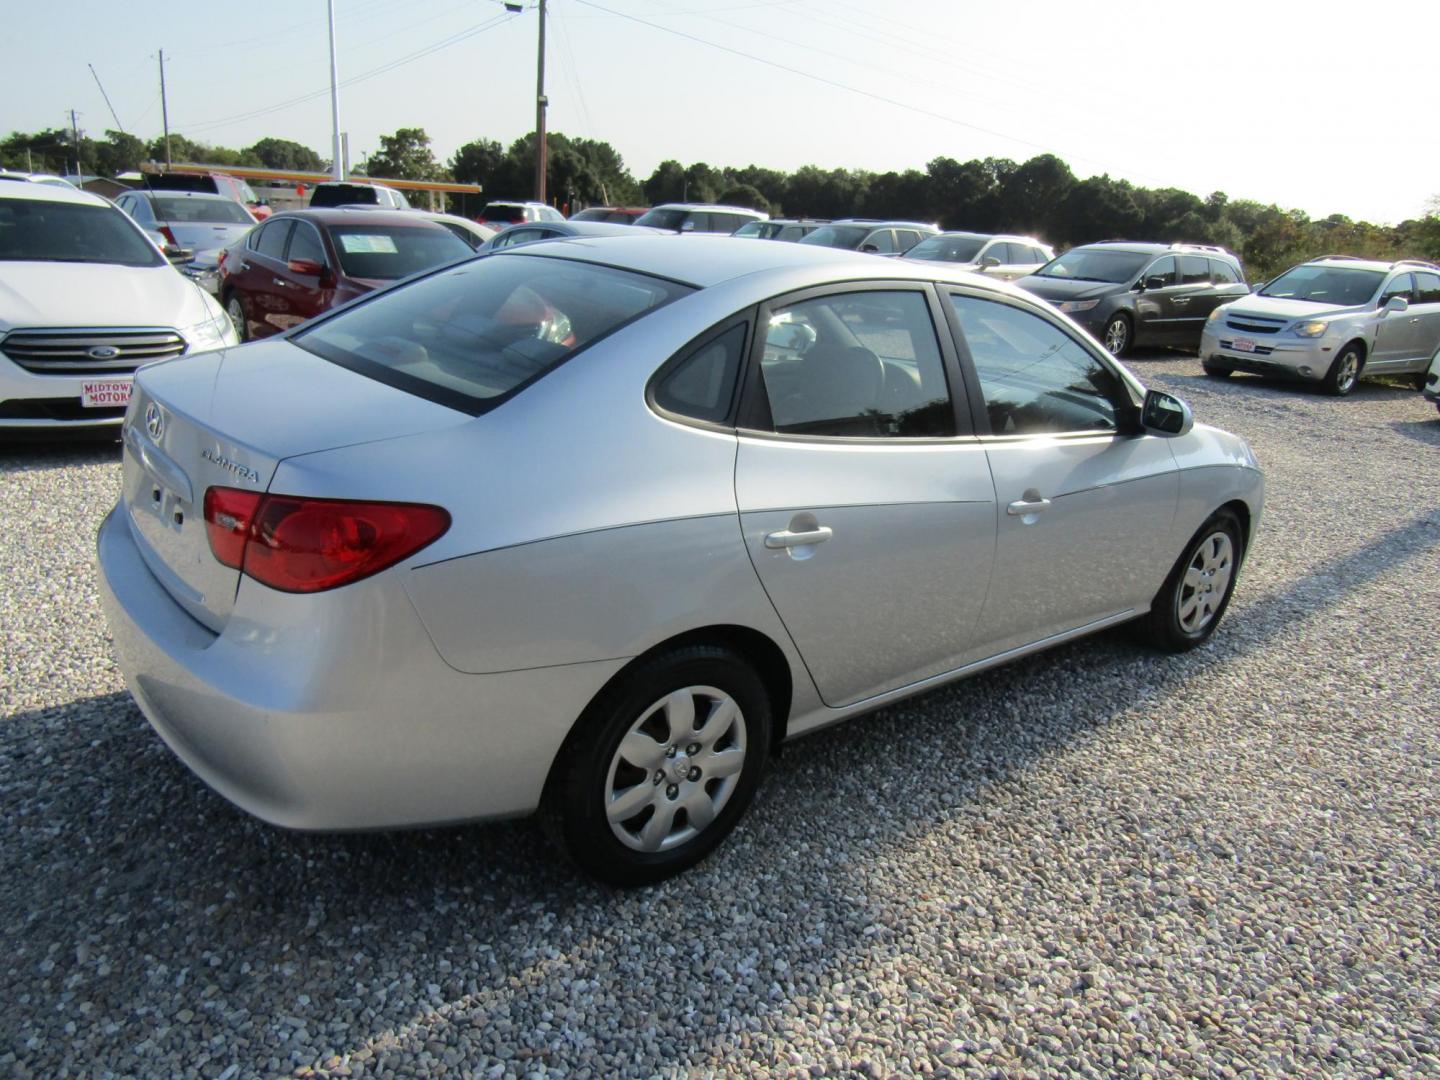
(1021, 507)
(787, 539)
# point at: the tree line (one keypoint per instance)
(1040, 197)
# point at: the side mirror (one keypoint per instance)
(870, 249)
(1258, 286)
(1154, 281)
(306, 266)
(1397, 304)
(688, 225)
(1165, 414)
(988, 263)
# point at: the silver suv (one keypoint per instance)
(1331, 320)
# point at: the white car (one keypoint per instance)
(85, 298)
(1002, 256)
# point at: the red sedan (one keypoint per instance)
(303, 262)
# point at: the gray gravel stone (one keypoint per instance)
(1098, 861)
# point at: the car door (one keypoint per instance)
(1426, 308)
(1193, 298)
(1015, 261)
(309, 276)
(865, 501)
(1397, 333)
(263, 284)
(1156, 312)
(1084, 506)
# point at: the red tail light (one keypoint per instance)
(169, 236)
(220, 259)
(309, 545)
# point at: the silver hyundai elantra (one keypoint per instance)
(593, 525)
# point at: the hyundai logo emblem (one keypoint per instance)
(102, 352)
(154, 421)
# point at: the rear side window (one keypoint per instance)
(702, 385)
(1222, 273)
(1427, 288)
(857, 364)
(1194, 270)
(470, 336)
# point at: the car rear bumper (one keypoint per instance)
(1281, 358)
(350, 722)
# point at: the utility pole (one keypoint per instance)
(337, 164)
(540, 104)
(75, 132)
(164, 109)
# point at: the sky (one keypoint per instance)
(1320, 106)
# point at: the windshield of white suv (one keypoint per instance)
(32, 230)
(838, 236)
(956, 249)
(1343, 287)
(1096, 264)
(471, 335)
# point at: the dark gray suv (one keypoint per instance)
(1140, 294)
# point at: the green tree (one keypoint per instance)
(666, 183)
(120, 152)
(405, 155)
(286, 154)
(744, 195)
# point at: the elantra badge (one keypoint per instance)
(154, 421)
(234, 468)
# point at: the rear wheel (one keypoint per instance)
(236, 310)
(1217, 372)
(1189, 606)
(663, 765)
(1344, 373)
(1116, 335)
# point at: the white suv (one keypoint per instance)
(87, 298)
(1332, 321)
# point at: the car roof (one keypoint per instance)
(1346, 262)
(51, 193)
(205, 196)
(709, 206)
(882, 223)
(706, 260)
(343, 215)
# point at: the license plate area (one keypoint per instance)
(105, 393)
(1243, 344)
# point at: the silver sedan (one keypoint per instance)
(593, 525)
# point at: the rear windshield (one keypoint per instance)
(837, 236)
(1326, 285)
(663, 219)
(344, 195)
(182, 182)
(216, 211)
(1091, 264)
(388, 252)
(471, 335)
(501, 212)
(956, 249)
(32, 230)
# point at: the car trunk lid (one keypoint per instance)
(228, 419)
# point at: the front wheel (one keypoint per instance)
(662, 766)
(1189, 606)
(1216, 372)
(1344, 373)
(1116, 335)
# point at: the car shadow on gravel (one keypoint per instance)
(32, 456)
(1422, 431)
(130, 888)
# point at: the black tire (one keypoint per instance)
(1217, 372)
(1118, 335)
(1164, 627)
(591, 765)
(234, 307)
(1344, 371)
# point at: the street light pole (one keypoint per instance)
(540, 104)
(337, 164)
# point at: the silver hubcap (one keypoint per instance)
(1115, 335)
(1206, 581)
(237, 316)
(675, 769)
(1349, 368)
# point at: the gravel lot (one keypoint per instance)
(1098, 861)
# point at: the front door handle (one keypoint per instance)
(1022, 507)
(787, 539)
(281, 282)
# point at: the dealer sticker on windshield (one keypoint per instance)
(105, 393)
(1243, 344)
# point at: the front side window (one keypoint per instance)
(1222, 273)
(1164, 269)
(1035, 378)
(880, 242)
(837, 236)
(36, 230)
(857, 364)
(306, 244)
(474, 333)
(1398, 286)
